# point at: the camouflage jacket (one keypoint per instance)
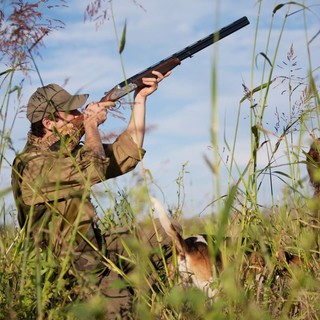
(48, 184)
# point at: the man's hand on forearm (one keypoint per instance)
(94, 115)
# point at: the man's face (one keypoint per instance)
(63, 117)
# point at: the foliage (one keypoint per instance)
(23, 30)
(33, 284)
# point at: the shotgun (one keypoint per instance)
(165, 65)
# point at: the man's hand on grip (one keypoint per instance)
(96, 112)
(151, 84)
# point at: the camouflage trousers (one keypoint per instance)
(102, 263)
(149, 248)
(142, 251)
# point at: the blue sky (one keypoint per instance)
(84, 58)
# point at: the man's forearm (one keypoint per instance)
(94, 115)
(136, 126)
(93, 140)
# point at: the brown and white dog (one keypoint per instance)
(199, 262)
(194, 262)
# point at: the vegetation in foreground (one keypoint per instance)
(33, 286)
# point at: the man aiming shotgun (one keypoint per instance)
(53, 176)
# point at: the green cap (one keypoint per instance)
(52, 98)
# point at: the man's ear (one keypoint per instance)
(48, 124)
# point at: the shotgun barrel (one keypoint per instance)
(165, 65)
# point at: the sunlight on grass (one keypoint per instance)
(278, 279)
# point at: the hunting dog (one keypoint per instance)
(194, 261)
(199, 262)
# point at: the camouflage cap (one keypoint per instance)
(52, 98)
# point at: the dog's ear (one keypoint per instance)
(168, 226)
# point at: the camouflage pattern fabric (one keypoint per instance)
(52, 194)
(151, 248)
(52, 188)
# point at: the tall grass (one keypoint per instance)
(32, 282)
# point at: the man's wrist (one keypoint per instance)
(90, 123)
(140, 99)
